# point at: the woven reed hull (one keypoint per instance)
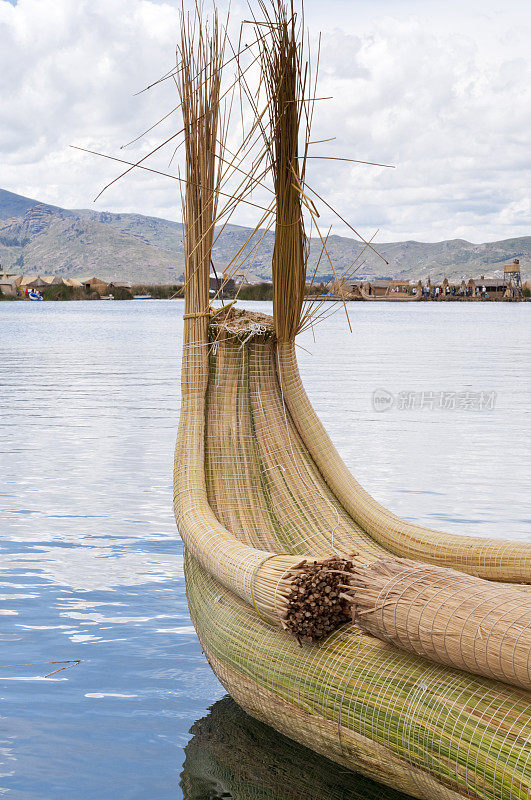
(426, 730)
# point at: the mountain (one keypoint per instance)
(46, 239)
(40, 238)
(14, 205)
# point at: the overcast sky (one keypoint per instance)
(441, 89)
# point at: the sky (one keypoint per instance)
(440, 90)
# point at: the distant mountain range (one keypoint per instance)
(40, 238)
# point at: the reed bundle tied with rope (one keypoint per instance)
(283, 589)
(269, 513)
(307, 597)
(317, 603)
(446, 616)
(201, 55)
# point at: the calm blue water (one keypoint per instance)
(91, 565)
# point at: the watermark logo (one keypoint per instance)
(383, 400)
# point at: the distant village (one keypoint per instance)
(55, 287)
(508, 287)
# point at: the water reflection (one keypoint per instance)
(232, 755)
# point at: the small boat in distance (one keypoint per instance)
(35, 295)
(142, 297)
(107, 297)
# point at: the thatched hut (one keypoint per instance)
(95, 285)
(8, 285)
(39, 283)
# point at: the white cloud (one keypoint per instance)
(441, 90)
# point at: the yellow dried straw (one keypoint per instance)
(282, 68)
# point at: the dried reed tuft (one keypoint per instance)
(284, 79)
(201, 55)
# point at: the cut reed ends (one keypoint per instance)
(317, 603)
(446, 616)
(307, 598)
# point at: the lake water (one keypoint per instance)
(91, 564)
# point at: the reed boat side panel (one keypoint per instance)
(316, 520)
(236, 485)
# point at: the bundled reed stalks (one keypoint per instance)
(425, 729)
(271, 517)
(316, 603)
(447, 617)
(267, 580)
(200, 54)
(306, 597)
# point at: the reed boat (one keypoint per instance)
(391, 297)
(397, 651)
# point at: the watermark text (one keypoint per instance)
(383, 400)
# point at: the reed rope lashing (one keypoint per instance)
(255, 329)
(197, 314)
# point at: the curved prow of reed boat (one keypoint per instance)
(278, 533)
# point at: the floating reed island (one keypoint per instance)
(395, 650)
